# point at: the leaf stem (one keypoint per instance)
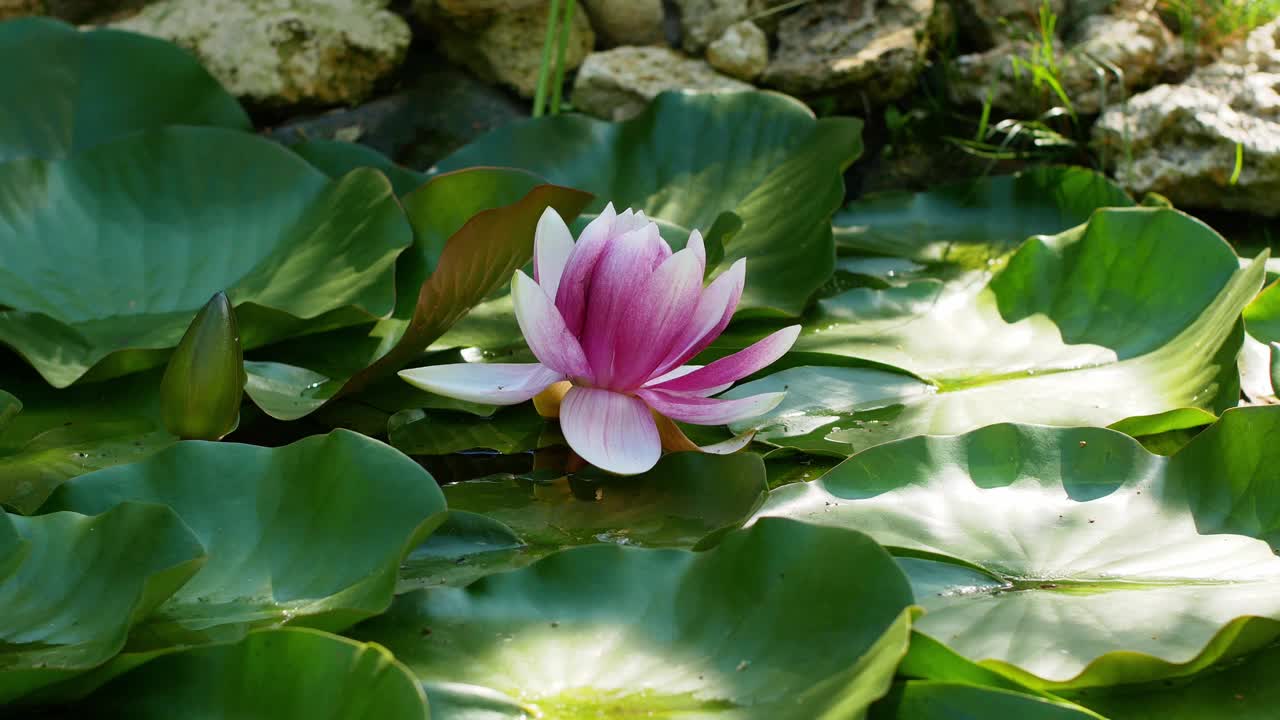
(544, 70)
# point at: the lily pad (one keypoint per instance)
(106, 256)
(79, 583)
(282, 674)
(64, 433)
(509, 430)
(308, 534)
(1244, 690)
(750, 629)
(1072, 557)
(471, 231)
(1134, 314)
(95, 86)
(969, 225)
(337, 158)
(924, 700)
(685, 497)
(756, 152)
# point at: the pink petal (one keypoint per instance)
(711, 316)
(612, 431)
(571, 296)
(685, 370)
(655, 317)
(552, 246)
(544, 329)
(709, 411)
(736, 366)
(493, 384)
(619, 278)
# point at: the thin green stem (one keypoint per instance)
(558, 85)
(544, 70)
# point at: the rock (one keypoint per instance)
(506, 47)
(1181, 140)
(1138, 44)
(988, 23)
(617, 84)
(872, 48)
(461, 8)
(626, 22)
(742, 51)
(73, 11)
(702, 21)
(443, 109)
(10, 9)
(284, 52)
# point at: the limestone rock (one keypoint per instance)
(626, 22)
(506, 47)
(1181, 140)
(10, 9)
(742, 51)
(875, 48)
(989, 23)
(617, 84)
(1137, 43)
(702, 21)
(284, 52)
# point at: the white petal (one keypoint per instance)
(612, 431)
(552, 245)
(492, 384)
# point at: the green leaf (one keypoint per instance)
(684, 498)
(10, 406)
(464, 549)
(309, 534)
(79, 584)
(971, 224)
(471, 231)
(510, 430)
(95, 86)
(336, 158)
(1134, 314)
(281, 674)
(1072, 557)
(64, 433)
(923, 700)
(614, 631)
(756, 153)
(1245, 690)
(76, 236)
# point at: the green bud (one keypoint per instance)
(202, 387)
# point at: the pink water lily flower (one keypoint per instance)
(612, 321)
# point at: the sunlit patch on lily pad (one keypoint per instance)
(1071, 557)
(750, 629)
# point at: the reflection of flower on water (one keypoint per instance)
(612, 320)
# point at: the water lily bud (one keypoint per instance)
(204, 383)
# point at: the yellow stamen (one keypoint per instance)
(547, 402)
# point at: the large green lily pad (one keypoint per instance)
(64, 433)
(106, 256)
(755, 153)
(1073, 557)
(94, 86)
(971, 224)
(277, 674)
(1134, 314)
(925, 700)
(750, 629)
(507, 522)
(1244, 690)
(471, 231)
(309, 534)
(71, 586)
